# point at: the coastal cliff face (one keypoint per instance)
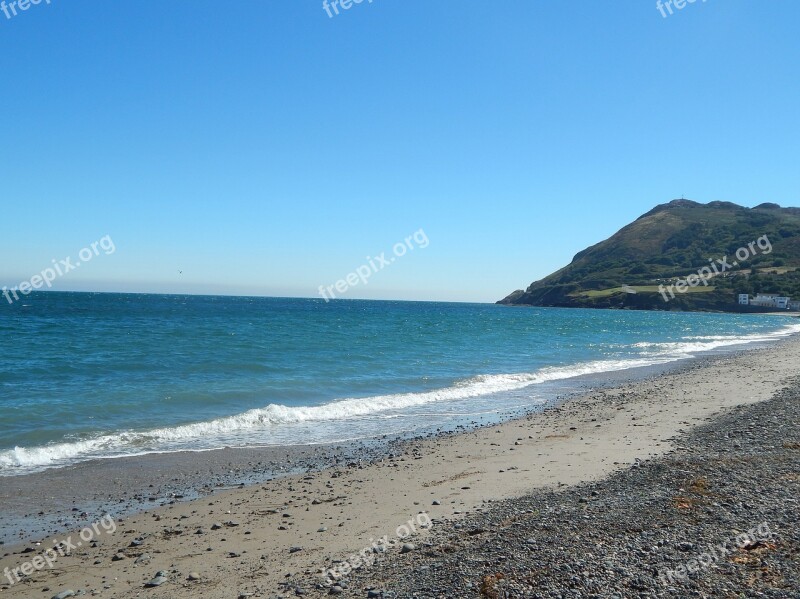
(682, 255)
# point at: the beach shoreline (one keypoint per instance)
(715, 517)
(303, 523)
(73, 496)
(68, 497)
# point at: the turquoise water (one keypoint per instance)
(101, 375)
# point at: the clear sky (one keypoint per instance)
(262, 147)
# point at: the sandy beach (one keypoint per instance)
(277, 538)
(400, 300)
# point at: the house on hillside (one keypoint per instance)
(768, 300)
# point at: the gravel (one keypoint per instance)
(621, 537)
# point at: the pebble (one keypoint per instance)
(159, 579)
(612, 538)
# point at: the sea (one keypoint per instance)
(87, 376)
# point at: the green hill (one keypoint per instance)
(636, 266)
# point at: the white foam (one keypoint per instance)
(691, 345)
(262, 420)
(378, 407)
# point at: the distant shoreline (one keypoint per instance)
(764, 311)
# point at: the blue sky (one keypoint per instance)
(261, 147)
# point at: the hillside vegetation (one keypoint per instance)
(636, 266)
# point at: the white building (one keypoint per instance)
(794, 306)
(744, 299)
(769, 300)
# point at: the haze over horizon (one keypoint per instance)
(271, 149)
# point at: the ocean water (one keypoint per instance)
(86, 376)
